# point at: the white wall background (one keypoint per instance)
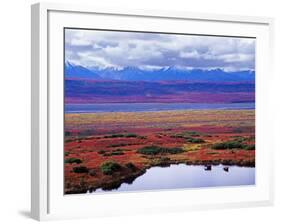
(15, 110)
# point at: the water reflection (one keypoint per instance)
(188, 176)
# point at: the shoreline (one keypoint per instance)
(130, 178)
(150, 107)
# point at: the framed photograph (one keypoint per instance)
(148, 111)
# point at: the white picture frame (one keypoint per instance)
(48, 201)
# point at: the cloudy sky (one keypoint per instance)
(102, 49)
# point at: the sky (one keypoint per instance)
(152, 51)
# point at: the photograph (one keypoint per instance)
(151, 111)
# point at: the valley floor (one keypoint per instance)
(104, 150)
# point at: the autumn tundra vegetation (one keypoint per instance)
(104, 150)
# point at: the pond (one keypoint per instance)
(189, 176)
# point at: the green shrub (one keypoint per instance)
(177, 136)
(142, 137)
(114, 136)
(239, 139)
(189, 136)
(195, 140)
(130, 165)
(66, 153)
(110, 167)
(154, 150)
(117, 153)
(106, 154)
(192, 133)
(251, 138)
(118, 145)
(101, 151)
(131, 135)
(73, 160)
(174, 150)
(92, 172)
(80, 169)
(250, 147)
(150, 150)
(228, 145)
(128, 135)
(66, 140)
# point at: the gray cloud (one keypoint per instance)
(92, 48)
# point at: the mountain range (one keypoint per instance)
(164, 74)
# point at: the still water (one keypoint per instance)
(189, 176)
(141, 107)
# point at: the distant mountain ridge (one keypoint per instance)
(90, 91)
(72, 71)
(165, 74)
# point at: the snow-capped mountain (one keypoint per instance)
(164, 74)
